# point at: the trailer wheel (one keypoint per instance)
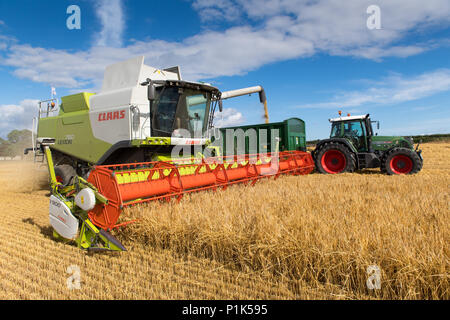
(401, 161)
(64, 174)
(334, 158)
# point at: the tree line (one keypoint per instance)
(16, 142)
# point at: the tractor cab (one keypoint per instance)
(357, 129)
(353, 146)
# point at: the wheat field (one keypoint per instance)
(297, 237)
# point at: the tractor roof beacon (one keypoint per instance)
(353, 146)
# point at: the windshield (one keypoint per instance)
(180, 108)
(196, 105)
(335, 130)
(353, 129)
(166, 110)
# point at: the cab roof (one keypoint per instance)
(361, 117)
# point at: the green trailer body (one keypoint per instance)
(291, 134)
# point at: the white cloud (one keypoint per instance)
(111, 17)
(5, 42)
(212, 10)
(268, 31)
(203, 56)
(392, 90)
(431, 126)
(339, 27)
(227, 118)
(17, 116)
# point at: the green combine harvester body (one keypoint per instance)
(141, 114)
(72, 132)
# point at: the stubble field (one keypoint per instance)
(297, 237)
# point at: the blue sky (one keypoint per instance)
(312, 57)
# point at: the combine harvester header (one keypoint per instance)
(120, 148)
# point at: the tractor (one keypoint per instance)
(354, 146)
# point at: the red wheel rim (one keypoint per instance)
(333, 161)
(401, 164)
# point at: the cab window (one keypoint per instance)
(335, 130)
(353, 129)
(355, 132)
(197, 105)
(165, 114)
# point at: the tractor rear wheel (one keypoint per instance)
(64, 174)
(334, 158)
(401, 161)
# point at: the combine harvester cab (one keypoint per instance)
(142, 138)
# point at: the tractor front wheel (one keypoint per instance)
(334, 158)
(401, 161)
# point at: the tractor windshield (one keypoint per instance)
(336, 130)
(180, 108)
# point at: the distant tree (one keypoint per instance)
(4, 148)
(19, 136)
(17, 141)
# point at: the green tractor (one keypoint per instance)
(353, 146)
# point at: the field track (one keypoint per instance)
(312, 237)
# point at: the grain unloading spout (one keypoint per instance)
(246, 91)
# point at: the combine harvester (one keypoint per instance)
(116, 149)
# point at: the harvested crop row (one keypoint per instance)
(33, 265)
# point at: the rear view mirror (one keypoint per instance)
(220, 106)
(151, 92)
(378, 124)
